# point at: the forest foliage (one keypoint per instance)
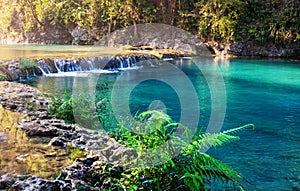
(276, 21)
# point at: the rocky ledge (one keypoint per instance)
(253, 49)
(130, 56)
(100, 150)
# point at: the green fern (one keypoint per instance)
(190, 169)
(205, 140)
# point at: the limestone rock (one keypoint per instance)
(81, 36)
(37, 184)
(3, 137)
(101, 149)
(156, 35)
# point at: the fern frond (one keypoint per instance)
(206, 140)
(203, 165)
(234, 130)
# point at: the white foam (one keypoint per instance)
(187, 58)
(168, 59)
(131, 68)
(79, 73)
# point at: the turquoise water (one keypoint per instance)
(266, 93)
(263, 92)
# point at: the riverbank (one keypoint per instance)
(88, 149)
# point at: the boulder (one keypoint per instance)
(83, 37)
(159, 36)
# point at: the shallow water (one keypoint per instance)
(23, 156)
(263, 92)
(53, 51)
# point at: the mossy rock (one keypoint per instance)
(3, 76)
(75, 153)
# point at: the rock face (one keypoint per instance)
(252, 49)
(48, 34)
(83, 37)
(156, 35)
(101, 149)
(37, 184)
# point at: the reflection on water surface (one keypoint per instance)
(21, 155)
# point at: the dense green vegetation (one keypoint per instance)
(26, 64)
(82, 110)
(179, 163)
(276, 21)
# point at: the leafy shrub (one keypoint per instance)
(27, 64)
(62, 107)
(81, 110)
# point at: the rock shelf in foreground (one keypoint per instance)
(100, 149)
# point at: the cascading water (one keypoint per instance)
(43, 72)
(43, 66)
(60, 65)
(56, 63)
(128, 60)
(33, 72)
(91, 65)
(21, 78)
(121, 62)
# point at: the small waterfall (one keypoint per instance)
(61, 65)
(47, 70)
(91, 65)
(43, 72)
(134, 61)
(121, 62)
(27, 75)
(56, 62)
(76, 65)
(21, 78)
(43, 66)
(129, 63)
(33, 72)
(66, 65)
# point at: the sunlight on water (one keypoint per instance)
(53, 51)
(273, 72)
(21, 155)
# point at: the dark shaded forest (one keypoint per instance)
(226, 21)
